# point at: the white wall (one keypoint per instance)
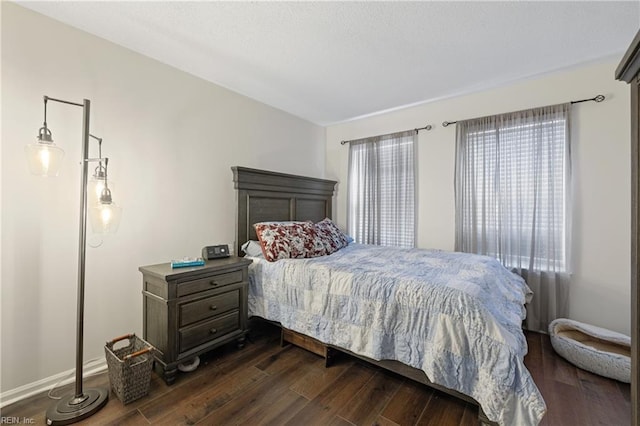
(600, 290)
(171, 139)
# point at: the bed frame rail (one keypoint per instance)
(330, 352)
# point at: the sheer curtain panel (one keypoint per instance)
(382, 175)
(513, 200)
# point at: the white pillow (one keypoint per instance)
(252, 248)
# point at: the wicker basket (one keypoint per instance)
(129, 367)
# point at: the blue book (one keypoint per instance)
(183, 263)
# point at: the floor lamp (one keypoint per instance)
(44, 159)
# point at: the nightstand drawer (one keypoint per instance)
(211, 282)
(209, 330)
(209, 307)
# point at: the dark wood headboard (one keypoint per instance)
(269, 196)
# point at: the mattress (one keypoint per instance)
(455, 316)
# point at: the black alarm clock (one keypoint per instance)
(215, 252)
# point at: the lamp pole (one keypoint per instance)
(82, 240)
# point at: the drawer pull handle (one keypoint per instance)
(213, 331)
(213, 283)
(213, 307)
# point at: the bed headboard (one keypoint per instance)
(269, 196)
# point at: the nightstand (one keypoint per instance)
(189, 311)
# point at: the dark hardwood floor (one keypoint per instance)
(268, 384)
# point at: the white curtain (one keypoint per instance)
(513, 200)
(382, 186)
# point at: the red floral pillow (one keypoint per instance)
(330, 235)
(289, 240)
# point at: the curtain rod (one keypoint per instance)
(598, 98)
(427, 127)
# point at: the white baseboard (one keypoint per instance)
(14, 395)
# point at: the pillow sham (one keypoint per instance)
(292, 240)
(331, 236)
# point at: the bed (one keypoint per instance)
(425, 322)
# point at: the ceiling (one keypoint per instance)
(329, 62)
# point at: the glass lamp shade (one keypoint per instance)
(105, 218)
(44, 158)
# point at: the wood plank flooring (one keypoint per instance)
(272, 385)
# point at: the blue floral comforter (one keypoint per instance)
(456, 316)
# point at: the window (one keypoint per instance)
(512, 188)
(381, 208)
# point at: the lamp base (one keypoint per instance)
(71, 409)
